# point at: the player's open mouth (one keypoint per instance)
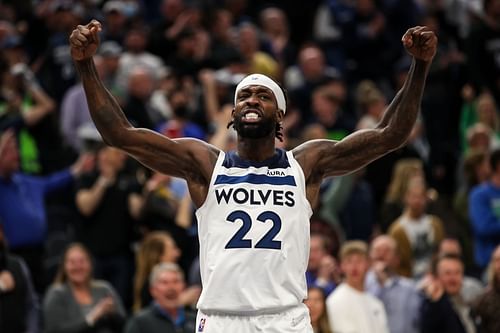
(251, 116)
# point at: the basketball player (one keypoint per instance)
(254, 204)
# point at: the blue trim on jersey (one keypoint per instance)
(255, 179)
(278, 161)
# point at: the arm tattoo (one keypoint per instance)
(104, 109)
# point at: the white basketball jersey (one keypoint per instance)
(254, 236)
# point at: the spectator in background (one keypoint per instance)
(167, 313)
(22, 204)
(398, 294)
(367, 44)
(221, 46)
(135, 55)
(109, 202)
(483, 67)
(321, 268)
(326, 108)
(443, 309)
(471, 287)
(276, 31)
(484, 111)
(111, 52)
(474, 170)
(180, 125)
(25, 105)
(137, 107)
(76, 302)
(416, 232)
(484, 213)
(487, 307)
(116, 21)
(74, 112)
(19, 308)
(404, 170)
(249, 47)
(302, 79)
(317, 310)
(57, 72)
(350, 308)
(156, 247)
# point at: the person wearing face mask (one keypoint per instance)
(18, 300)
(166, 313)
(180, 125)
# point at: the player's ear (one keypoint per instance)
(279, 115)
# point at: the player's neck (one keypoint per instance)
(256, 150)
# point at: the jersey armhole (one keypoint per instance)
(215, 172)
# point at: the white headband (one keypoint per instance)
(262, 80)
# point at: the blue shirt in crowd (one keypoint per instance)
(484, 211)
(401, 301)
(22, 206)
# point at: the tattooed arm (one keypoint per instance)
(190, 159)
(322, 158)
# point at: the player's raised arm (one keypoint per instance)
(188, 158)
(322, 158)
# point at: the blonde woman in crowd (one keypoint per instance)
(317, 310)
(404, 170)
(78, 303)
(157, 247)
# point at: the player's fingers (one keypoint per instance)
(77, 42)
(408, 37)
(83, 30)
(94, 24)
(80, 38)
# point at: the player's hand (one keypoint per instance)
(420, 42)
(84, 40)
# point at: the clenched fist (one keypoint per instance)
(420, 42)
(84, 40)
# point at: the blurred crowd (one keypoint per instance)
(91, 241)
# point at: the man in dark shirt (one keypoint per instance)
(165, 314)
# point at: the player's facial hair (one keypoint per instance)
(254, 131)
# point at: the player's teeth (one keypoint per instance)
(251, 115)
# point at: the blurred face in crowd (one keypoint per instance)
(274, 21)
(166, 289)
(111, 159)
(9, 155)
(416, 198)
(495, 260)
(450, 246)
(77, 266)
(355, 265)
(316, 253)
(486, 110)
(135, 41)
(170, 251)
(248, 40)
(312, 63)
(325, 106)
(450, 273)
(383, 250)
(316, 303)
(171, 9)
(141, 83)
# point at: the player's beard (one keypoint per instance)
(254, 130)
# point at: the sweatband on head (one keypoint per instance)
(264, 81)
